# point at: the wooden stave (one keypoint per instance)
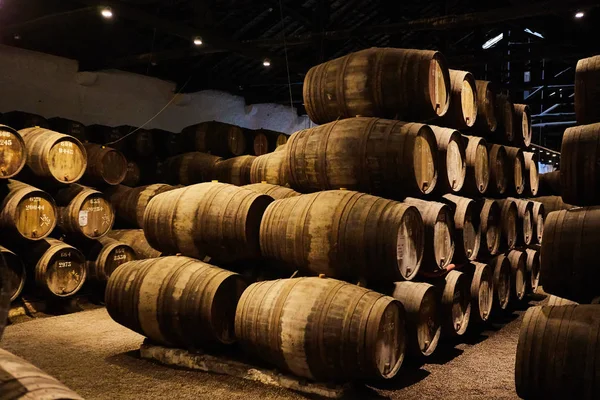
(499, 176)
(270, 168)
(130, 203)
(135, 239)
(490, 219)
(456, 116)
(456, 285)
(533, 269)
(95, 173)
(482, 277)
(531, 170)
(502, 281)
(525, 230)
(235, 171)
(538, 211)
(446, 137)
(522, 119)
(275, 191)
(516, 179)
(10, 134)
(486, 108)
(518, 264)
(466, 218)
(509, 216)
(477, 177)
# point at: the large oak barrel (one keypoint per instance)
(491, 228)
(270, 168)
(136, 239)
(188, 168)
(13, 153)
(371, 155)
(379, 82)
(234, 170)
(69, 127)
(532, 176)
(15, 273)
(21, 120)
(500, 170)
(110, 136)
(257, 143)
(502, 281)
(533, 268)
(217, 138)
(522, 125)
(275, 191)
(552, 203)
(451, 160)
(302, 326)
(208, 219)
(167, 144)
(558, 354)
(177, 301)
(423, 326)
(462, 112)
(106, 166)
(26, 211)
(486, 108)
(505, 114)
(587, 90)
(130, 203)
(84, 212)
(549, 184)
(21, 380)
(455, 302)
(580, 165)
(103, 256)
(525, 231)
(53, 156)
(482, 290)
(140, 142)
(133, 174)
(478, 171)
(518, 265)
(510, 223)
(467, 227)
(570, 253)
(516, 162)
(318, 233)
(538, 213)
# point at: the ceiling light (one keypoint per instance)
(527, 30)
(106, 12)
(579, 14)
(198, 41)
(493, 41)
(553, 155)
(267, 62)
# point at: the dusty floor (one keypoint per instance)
(99, 359)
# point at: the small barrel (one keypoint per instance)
(587, 90)
(451, 160)
(525, 228)
(84, 211)
(533, 269)
(419, 79)
(505, 114)
(518, 266)
(106, 166)
(549, 184)
(500, 170)
(579, 165)
(208, 219)
(478, 171)
(167, 144)
(439, 234)
(482, 291)
(538, 212)
(455, 303)
(177, 301)
(302, 326)
(21, 120)
(258, 143)
(275, 191)
(15, 273)
(21, 380)
(26, 211)
(532, 176)
(109, 136)
(53, 156)
(217, 138)
(270, 168)
(486, 108)
(130, 203)
(570, 254)
(491, 228)
(188, 169)
(423, 326)
(502, 281)
(510, 223)
(555, 301)
(462, 112)
(467, 227)
(140, 143)
(281, 140)
(558, 353)
(69, 127)
(103, 256)
(133, 174)
(318, 234)
(522, 125)
(552, 203)
(234, 170)
(135, 239)
(336, 155)
(516, 179)
(13, 152)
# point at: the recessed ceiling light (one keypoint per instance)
(106, 12)
(267, 62)
(198, 41)
(579, 14)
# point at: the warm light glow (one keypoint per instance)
(579, 14)
(493, 41)
(198, 41)
(106, 12)
(267, 62)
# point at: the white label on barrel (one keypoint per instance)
(83, 218)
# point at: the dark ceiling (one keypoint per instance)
(156, 38)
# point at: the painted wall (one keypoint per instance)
(52, 87)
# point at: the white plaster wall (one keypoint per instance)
(51, 86)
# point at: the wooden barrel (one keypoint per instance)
(587, 90)
(26, 212)
(510, 223)
(281, 140)
(491, 228)
(522, 125)
(505, 113)
(104, 135)
(451, 160)
(500, 170)
(258, 143)
(208, 219)
(482, 290)
(516, 162)
(103, 256)
(486, 108)
(558, 353)
(133, 174)
(106, 166)
(552, 203)
(217, 138)
(549, 184)
(455, 303)
(130, 203)
(462, 111)
(569, 254)
(478, 171)
(533, 268)
(439, 234)
(502, 281)
(140, 143)
(400, 158)
(21, 380)
(555, 301)
(387, 83)
(15, 273)
(176, 301)
(467, 227)
(276, 192)
(579, 165)
(135, 239)
(518, 264)
(532, 176)
(423, 326)
(300, 325)
(69, 127)
(525, 229)
(13, 153)
(538, 213)
(84, 212)
(167, 144)
(234, 170)
(318, 234)
(21, 120)
(53, 156)
(271, 168)
(188, 168)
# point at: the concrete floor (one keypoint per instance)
(99, 359)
